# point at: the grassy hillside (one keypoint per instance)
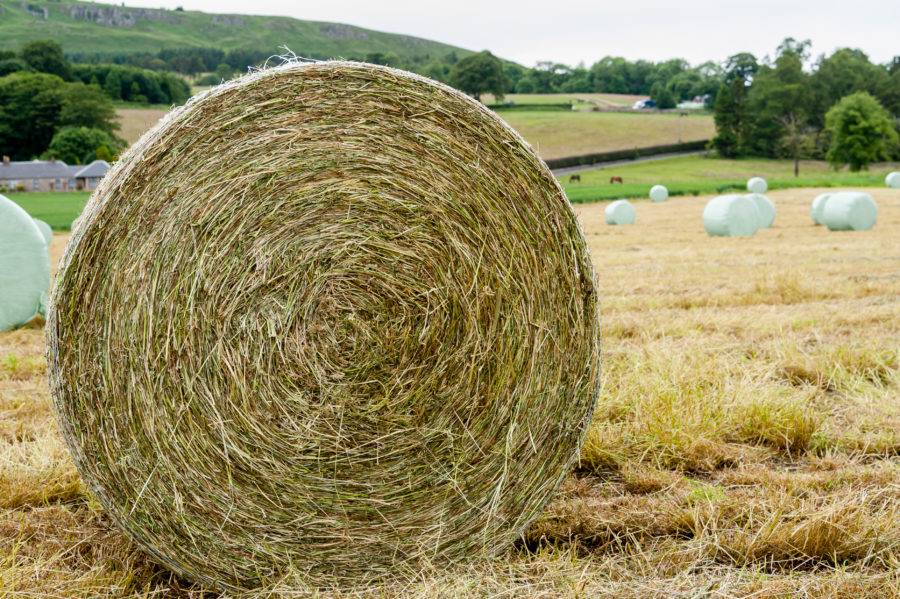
(103, 28)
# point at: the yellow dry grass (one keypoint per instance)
(746, 442)
(136, 121)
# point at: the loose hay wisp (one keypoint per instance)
(325, 323)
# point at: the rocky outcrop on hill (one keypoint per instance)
(41, 12)
(118, 16)
(233, 20)
(343, 32)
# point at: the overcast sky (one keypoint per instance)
(573, 31)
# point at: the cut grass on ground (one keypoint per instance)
(745, 442)
(698, 174)
(57, 209)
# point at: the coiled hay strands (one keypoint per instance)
(324, 324)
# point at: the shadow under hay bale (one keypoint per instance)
(324, 324)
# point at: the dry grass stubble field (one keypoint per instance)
(746, 441)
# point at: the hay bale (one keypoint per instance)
(620, 212)
(658, 193)
(731, 215)
(757, 185)
(349, 325)
(45, 229)
(818, 207)
(893, 180)
(24, 267)
(850, 211)
(766, 209)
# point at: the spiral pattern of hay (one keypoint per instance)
(325, 323)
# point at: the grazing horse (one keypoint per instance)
(615, 180)
(574, 178)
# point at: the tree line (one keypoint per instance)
(50, 107)
(789, 107)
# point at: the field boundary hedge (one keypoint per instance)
(599, 157)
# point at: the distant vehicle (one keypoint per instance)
(644, 104)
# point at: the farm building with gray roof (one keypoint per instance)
(50, 175)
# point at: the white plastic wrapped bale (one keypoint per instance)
(850, 211)
(757, 185)
(818, 207)
(659, 193)
(766, 209)
(24, 267)
(731, 215)
(45, 229)
(620, 212)
(893, 180)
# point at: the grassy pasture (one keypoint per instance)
(745, 442)
(561, 133)
(701, 175)
(57, 209)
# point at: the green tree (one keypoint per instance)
(662, 96)
(87, 106)
(30, 104)
(862, 132)
(112, 87)
(12, 65)
(223, 72)
(46, 56)
(779, 94)
(480, 73)
(103, 153)
(526, 85)
(78, 145)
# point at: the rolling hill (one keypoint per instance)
(83, 27)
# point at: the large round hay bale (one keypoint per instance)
(766, 209)
(850, 211)
(326, 322)
(818, 207)
(731, 215)
(24, 267)
(45, 229)
(659, 193)
(893, 180)
(620, 212)
(757, 185)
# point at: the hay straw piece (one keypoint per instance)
(328, 322)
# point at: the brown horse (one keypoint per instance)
(574, 178)
(616, 180)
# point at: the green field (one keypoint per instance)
(57, 209)
(559, 134)
(694, 175)
(70, 23)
